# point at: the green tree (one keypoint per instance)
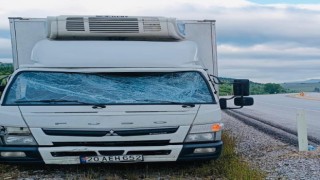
(6, 69)
(225, 89)
(255, 88)
(272, 88)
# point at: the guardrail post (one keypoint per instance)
(302, 130)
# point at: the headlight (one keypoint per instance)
(200, 137)
(17, 136)
(203, 132)
(19, 140)
(206, 128)
(18, 130)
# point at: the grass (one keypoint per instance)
(228, 166)
(233, 166)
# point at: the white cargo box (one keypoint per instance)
(27, 32)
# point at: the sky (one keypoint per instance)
(263, 40)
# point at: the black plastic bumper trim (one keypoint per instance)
(187, 154)
(32, 155)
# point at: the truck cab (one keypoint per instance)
(110, 89)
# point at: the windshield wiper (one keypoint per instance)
(94, 106)
(52, 101)
(168, 102)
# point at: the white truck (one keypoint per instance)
(109, 89)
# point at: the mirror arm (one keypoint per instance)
(230, 98)
(229, 108)
(214, 78)
(242, 99)
(213, 83)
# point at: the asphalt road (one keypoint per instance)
(282, 109)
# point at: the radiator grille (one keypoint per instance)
(73, 153)
(149, 153)
(116, 132)
(113, 25)
(75, 24)
(111, 153)
(115, 143)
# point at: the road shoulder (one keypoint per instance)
(276, 158)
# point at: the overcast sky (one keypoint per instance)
(263, 40)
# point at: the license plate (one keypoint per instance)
(111, 159)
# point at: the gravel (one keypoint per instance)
(278, 159)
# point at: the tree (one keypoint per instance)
(273, 88)
(225, 89)
(6, 69)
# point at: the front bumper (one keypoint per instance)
(178, 153)
(187, 154)
(32, 155)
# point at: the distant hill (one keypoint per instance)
(311, 85)
(302, 82)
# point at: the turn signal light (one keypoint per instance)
(216, 127)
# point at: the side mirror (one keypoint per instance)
(223, 103)
(241, 87)
(243, 101)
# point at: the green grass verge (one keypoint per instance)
(229, 166)
(232, 166)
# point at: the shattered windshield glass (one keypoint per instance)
(52, 88)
